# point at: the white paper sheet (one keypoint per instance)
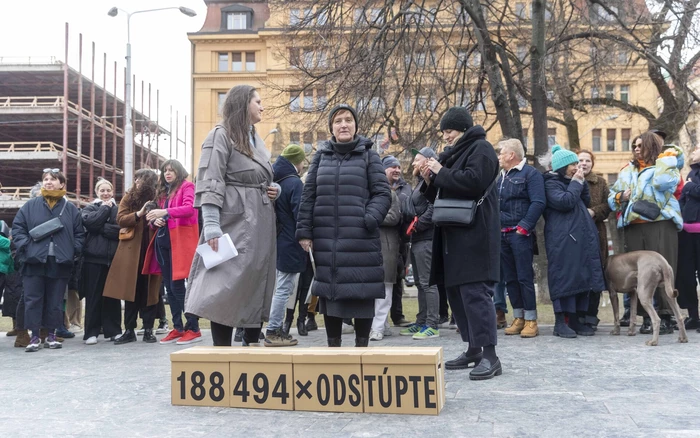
(227, 251)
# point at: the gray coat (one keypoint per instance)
(391, 241)
(236, 293)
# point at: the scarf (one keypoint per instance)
(52, 196)
(344, 148)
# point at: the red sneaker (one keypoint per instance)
(173, 336)
(190, 337)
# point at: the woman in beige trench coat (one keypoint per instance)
(236, 193)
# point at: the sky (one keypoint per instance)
(160, 49)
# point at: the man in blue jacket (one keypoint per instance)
(522, 201)
(291, 258)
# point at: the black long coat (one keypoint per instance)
(472, 254)
(571, 239)
(345, 198)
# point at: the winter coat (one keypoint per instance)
(345, 199)
(690, 196)
(102, 237)
(183, 228)
(655, 184)
(238, 292)
(424, 228)
(291, 257)
(471, 254)
(391, 241)
(128, 260)
(571, 239)
(7, 264)
(521, 197)
(599, 191)
(68, 242)
(11, 287)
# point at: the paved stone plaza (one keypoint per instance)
(593, 387)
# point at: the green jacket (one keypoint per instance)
(7, 265)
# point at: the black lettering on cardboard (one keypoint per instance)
(427, 380)
(370, 389)
(381, 382)
(415, 380)
(353, 383)
(401, 389)
(304, 389)
(323, 395)
(338, 390)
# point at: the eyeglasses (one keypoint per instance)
(47, 170)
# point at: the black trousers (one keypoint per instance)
(303, 286)
(222, 334)
(334, 327)
(100, 312)
(43, 301)
(444, 307)
(688, 270)
(132, 308)
(19, 323)
(396, 311)
(160, 307)
(474, 312)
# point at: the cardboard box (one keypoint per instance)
(328, 380)
(262, 379)
(403, 381)
(200, 377)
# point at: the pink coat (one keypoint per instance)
(183, 225)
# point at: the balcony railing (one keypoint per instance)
(25, 146)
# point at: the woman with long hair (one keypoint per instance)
(649, 213)
(173, 247)
(125, 280)
(100, 220)
(48, 233)
(235, 191)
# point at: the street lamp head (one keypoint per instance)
(113, 12)
(274, 131)
(187, 11)
(613, 117)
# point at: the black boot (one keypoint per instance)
(149, 337)
(126, 337)
(469, 357)
(691, 323)
(560, 328)
(311, 323)
(625, 321)
(580, 329)
(646, 329)
(301, 327)
(285, 327)
(361, 342)
(335, 342)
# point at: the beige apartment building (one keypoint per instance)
(241, 41)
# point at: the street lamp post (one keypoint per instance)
(129, 128)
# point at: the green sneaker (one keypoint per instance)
(427, 333)
(411, 330)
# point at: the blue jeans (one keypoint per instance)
(518, 275)
(176, 292)
(286, 285)
(499, 297)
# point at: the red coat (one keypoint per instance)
(184, 233)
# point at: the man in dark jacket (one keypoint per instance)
(291, 257)
(522, 201)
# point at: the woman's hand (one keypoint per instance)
(155, 214)
(425, 173)
(160, 222)
(272, 192)
(626, 195)
(214, 244)
(306, 244)
(434, 166)
(142, 212)
(579, 175)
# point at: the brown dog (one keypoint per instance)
(639, 273)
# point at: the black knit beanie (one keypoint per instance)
(341, 107)
(456, 118)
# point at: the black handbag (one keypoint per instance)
(646, 209)
(457, 212)
(48, 228)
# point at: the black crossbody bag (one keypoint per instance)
(457, 212)
(48, 228)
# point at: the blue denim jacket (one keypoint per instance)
(521, 196)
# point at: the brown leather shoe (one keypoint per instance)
(22, 339)
(516, 327)
(530, 330)
(501, 319)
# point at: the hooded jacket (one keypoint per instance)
(291, 257)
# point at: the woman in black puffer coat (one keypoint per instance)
(100, 221)
(345, 199)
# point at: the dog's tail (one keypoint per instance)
(668, 281)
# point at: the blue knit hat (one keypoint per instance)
(562, 157)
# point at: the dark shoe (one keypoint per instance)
(334, 342)
(674, 323)
(580, 329)
(277, 338)
(463, 361)
(361, 342)
(311, 324)
(625, 321)
(149, 337)
(286, 326)
(666, 327)
(62, 332)
(261, 336)
(238, 337)
(126, 337)
(402, 323)
(22, 339)
(485, 370)
(691, 323)
(561, 329)
(501, 321)
(301, 328)
(645, 329)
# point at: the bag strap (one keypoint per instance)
(481, 200)
(64, 207)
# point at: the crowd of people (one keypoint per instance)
(336, 240)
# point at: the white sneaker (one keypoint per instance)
(75, 328)
(376, 336)
(92, 340)
(347, 329)
(387, 329)
(140, 332)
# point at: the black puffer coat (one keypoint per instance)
(345, 199)
(467, 254)
(102, 239)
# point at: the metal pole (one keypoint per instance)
(129, 129)
(92, 124)
(115, 119)
(157, 124)
(104, 118)
(79, 132)
(65, 108)
(177, 133)
(184, 142)
(141, 136)
(148, 157)
(171, 132)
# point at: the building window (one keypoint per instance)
(609, 91)
(380, 142)
(308, 97)
(322, 17)
(321, 100)
(221, 98)
(476, 59)
(595, 94)
(250, 61)
(612, 179)
(525, 139)
(307, 58)
(223, 61)
(236, 61)
(625, 93)
(520, 10)
(625, 134)
(294, 101)
(321, 137)
(236, 21)
(600, 15)
(463, 98)
(462, 55)
(322, 59)
(308, 141)
(294, 57)
(596, 140)
(294, 137)
(521, 52)
(294, 17)
(407, 104)
(611, 134)
(623, 57)
(551, 136)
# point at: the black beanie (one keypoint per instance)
(341, 107)
(456, 118)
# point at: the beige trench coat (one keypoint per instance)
(236, 293)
